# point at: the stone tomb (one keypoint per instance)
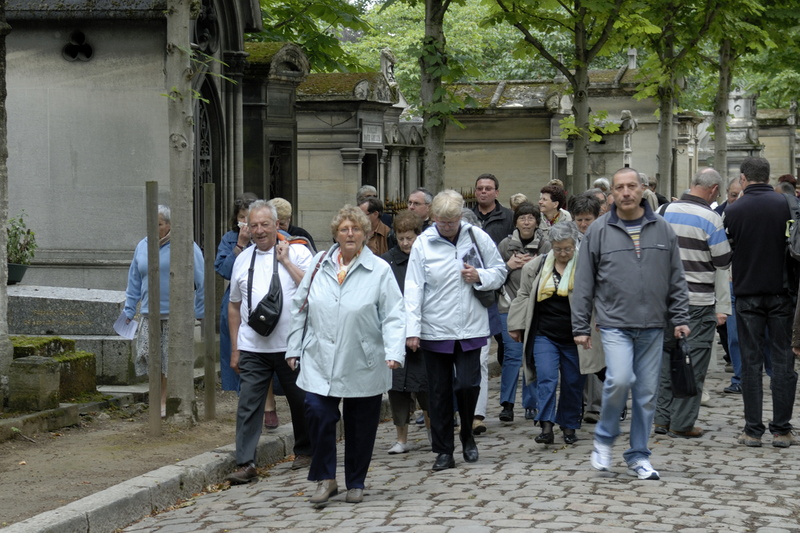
(84, 315)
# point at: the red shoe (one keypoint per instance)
(271, 420)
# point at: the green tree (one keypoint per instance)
(589, 26)
(673, 53)
(318, 26)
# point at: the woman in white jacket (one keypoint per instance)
(347, 332)
(447, 321)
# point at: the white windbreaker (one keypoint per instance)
(439, 304)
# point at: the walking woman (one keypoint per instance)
(347, 332)
(447, 321)
(540, 317)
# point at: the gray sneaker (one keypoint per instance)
(782, 441)
(747, 440)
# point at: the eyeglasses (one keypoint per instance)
(352, 229)
(448, 224)
(567, 250)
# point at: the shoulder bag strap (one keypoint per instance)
(478, 248)
(250, 282)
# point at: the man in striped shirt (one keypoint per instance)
(704, 249)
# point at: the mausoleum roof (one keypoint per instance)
(81, 9)
(347, 86)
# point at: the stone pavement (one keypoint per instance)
(708, 484)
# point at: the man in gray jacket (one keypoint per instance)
(629, 269)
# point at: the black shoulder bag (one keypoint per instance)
(682, 371)
(264, 317)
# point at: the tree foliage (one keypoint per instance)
(320, 27)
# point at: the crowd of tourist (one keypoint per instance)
(586, 294)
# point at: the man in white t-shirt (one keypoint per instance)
(259, 358)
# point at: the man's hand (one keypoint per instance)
(235, 360)
(393, 364)
(682, 331)
(292, 362)
(282, 249)
(470, 274)
(583, 340)
(413, 343)
(721, 318)
(517, 335)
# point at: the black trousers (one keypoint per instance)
(256, 370)
(448, 373)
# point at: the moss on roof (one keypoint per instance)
(336, 83)
(772, 114)
(263, 52)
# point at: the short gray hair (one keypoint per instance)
(707, 177)
(602, 184)
(467, 215)
(447, 204)
(364, 192)
(425, 192)
(733, 180)
(262, 204)
(164, 212)
(562, 231)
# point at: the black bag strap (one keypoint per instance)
(478, 248)
(250, 270)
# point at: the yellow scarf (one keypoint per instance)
(547, 285)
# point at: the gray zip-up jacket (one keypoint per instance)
(629, 291)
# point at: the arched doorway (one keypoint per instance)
(208, 158)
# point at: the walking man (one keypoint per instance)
(756, 226)
(704, 249)
(629, 269)
(257, 358)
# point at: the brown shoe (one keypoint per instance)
(271, 420)
(747, 440)
(301, 461)
(245, 474)
(693, 433)
(354, 496)
(782, 441)
(326, 489)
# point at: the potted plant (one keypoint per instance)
(21, 248)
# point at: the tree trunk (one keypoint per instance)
(721, 110)
(434, 124)
(665, 101)
(5, 344)
(580, 110)
(180, 389)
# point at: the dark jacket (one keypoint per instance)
(629, 291)
(296, 231)
(499, 224)
(412, 376)
(756, 227)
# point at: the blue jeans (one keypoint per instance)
(733, 342)
(512, 362)
(551, 359)
(633, 363)
(756, 315)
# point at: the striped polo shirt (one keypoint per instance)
(703, 245)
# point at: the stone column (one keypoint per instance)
(393, 175)
(412, 170)
(351, 168)
(234, 181)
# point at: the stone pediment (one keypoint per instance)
(277, 61)
(347, 87)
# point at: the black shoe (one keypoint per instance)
(734, 388)
(507, 414)
(569, 436)
(546, 436)
(470, 450)
(530, 414)
(624, 414)
(443, 462)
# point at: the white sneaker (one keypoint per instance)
(399, 447)
(643, 470)
(601, 456)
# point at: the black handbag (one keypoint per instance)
(264, 317)
(682, 371)
(486, 298)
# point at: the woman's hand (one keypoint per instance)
(518, 260)
(244, 236)
(470, 274)
(393, 364)
(292, 362)
(412, 343)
